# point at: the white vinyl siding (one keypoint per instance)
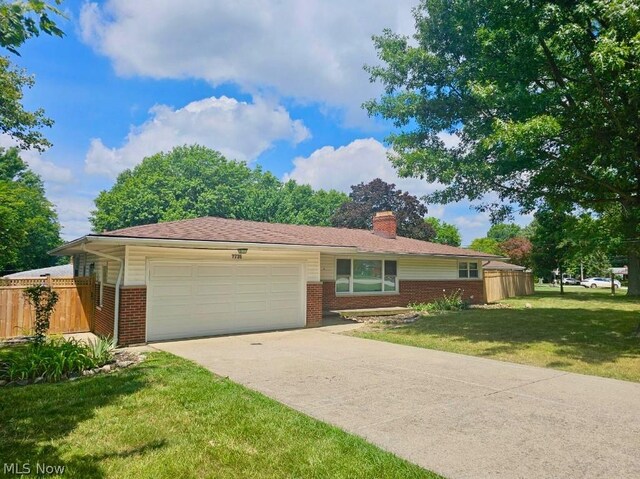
(85, 260)
(138, 257)
(188, 299)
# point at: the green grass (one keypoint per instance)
(584, 331)
(170, 418)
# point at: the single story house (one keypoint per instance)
(209, 276)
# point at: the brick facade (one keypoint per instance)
(133, 313)
(410, 292)
(314, 304)
(103, 319)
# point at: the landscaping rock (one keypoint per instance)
(106, 368)
(22, 382)
(3, 382)
(38, 380)
(403, 318)
(124, 364)
(88, 372)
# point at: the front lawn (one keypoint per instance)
(585, 331)
(170, 418)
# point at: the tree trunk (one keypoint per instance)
(634, 273)
(631, 226)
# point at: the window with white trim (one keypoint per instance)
(468, 269)
(366, 276)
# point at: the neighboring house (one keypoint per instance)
(62, 271)
(501, 266)
(210, 276)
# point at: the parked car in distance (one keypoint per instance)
(570, 281)
(599, 283)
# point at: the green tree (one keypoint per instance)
(366, 199)
(518, 249)
(19, 21)
(553, 244)
(300, 204)
(194, 181)
(543, 96)
(594, 263)
(502, 232)
(486, 245)
(29, 225)
(446, 233)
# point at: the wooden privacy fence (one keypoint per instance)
(506, 284)
(73, 312)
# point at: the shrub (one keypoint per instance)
(54, 359)
(43, 299)
(101, 349)
(451, 302)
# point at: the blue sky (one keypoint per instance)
(277, 84)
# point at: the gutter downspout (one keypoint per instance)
(116, 307)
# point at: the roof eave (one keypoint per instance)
(185, 243)
(74, 246)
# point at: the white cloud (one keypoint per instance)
(239, 130)
(360, 161)
(48, 171)
(73, 214)
(312, 50)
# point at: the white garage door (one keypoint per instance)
(200, 299)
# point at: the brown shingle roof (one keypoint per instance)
(241, 231)
(501, 265)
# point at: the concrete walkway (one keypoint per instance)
(460, 416)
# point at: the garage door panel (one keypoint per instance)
(214, 271)
(220, 309)
(177, 290)
(195, 299)
(205, 289)
(171, 271)
(253, 306)
(292, 288)
(213, 299)
(245, 270)
(278, 270)
(282, 306)
(251, 289)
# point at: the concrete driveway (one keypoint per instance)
(460, 416)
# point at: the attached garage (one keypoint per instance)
(211, 276)
(200, 299)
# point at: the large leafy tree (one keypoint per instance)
(366, 199)
(577, 242)
(486, 245)
(502, 232)
(19, 21)
(518, 249)
(446, 233)
(553, 245)
(194, 181)
(543, 96)
(29, 226)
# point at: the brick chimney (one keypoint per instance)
(385, 224)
